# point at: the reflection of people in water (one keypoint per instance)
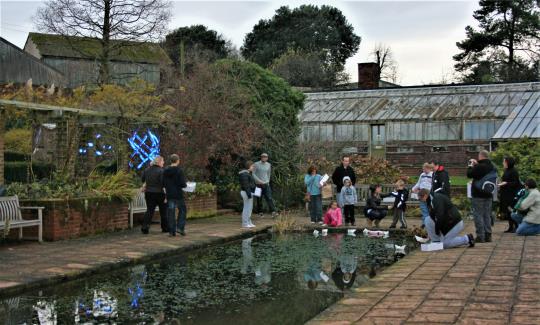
(314, 274)
(345, 272)
(263, 275)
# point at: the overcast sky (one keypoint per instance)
(422, 34)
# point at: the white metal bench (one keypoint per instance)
(11, 217)
(137, 205)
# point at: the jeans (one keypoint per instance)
(174, 204)
(525, 228)
(315, 208)
(247, 209)
(451, 239)
(481, 209)
(425, 211)
(154, 200)
(267, 195)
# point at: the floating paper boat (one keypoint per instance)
(325, 232)
(421, 240)
(376, 233)
(351, 232)
(316, 233)
(400, 249)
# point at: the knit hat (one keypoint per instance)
(346, 178)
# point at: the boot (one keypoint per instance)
(487, 238)
(511, 227)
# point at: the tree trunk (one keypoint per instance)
(104, 76)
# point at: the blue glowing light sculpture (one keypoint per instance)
(145, 148)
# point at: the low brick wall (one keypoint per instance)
(197, 206)
(74, 218)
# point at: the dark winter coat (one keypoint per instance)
(441, 182)
(477, 172)
(339, 173)
(374, 202)
(174, 181)
(508, 192)
(247, 182)
(153, 178)
(443, 212)
(401, 197)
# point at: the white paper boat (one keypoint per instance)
(325, 232)
(421, 240)
(351, 232)
(316, 233)
(400, 249)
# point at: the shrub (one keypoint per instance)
(526, 151)
(18, 140)
(18, 171)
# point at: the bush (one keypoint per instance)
(18, 140)
(17, 171)
(526, 151)
(15, 156)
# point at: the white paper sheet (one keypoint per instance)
(324, 179)
(469, 190)
(190, 187)
(258, 192)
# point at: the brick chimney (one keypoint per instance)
(368, 75)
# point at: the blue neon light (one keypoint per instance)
(145, 148)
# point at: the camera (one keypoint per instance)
(471, 162)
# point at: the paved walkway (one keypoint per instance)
(492, 283)
(29, 264)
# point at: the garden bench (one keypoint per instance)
(137, 205)
(362, 191)
(11, 216)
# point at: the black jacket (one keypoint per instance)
(509, 191)
(174, 181)
(484, 167)
(443, 212)
(339, 173)
(401, 197)
(374, 202)
(441, 182)
(153, 177)
(247, 183)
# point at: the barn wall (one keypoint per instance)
(81, 72)
(17, 66)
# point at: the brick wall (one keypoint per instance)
(197, 206)
(64, 219)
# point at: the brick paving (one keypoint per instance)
(492, 283)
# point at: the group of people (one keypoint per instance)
(519, 202)
(163, 188)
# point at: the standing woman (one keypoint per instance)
(247, 187)
(313, 190)
(508, 188)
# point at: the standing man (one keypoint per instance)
(152, 178)
(344, 169)
(425, 181)
(262, 174)
(481, 200)
(441, 180)
(174, 181)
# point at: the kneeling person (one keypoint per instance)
(444, 224)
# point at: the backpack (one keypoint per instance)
(488, 183)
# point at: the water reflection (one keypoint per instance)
(275, 280)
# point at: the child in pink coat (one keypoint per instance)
(332, 217)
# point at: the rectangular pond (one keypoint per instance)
(267, 279)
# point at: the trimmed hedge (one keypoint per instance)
(15, 156)
(17, 171)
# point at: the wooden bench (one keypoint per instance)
(137, 205)
(11, 216)
(362, 192)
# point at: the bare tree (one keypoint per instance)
(388, 67)
(116, 23)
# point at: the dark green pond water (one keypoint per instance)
(267, 279)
